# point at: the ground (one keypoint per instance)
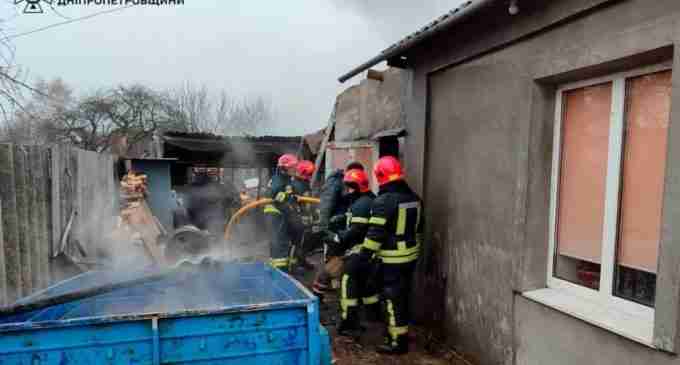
(425, 349)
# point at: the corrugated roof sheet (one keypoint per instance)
(418, 36)
(229, 139)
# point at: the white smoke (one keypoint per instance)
(394, 20)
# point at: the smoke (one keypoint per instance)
(393, 20)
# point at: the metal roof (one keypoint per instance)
(203, 136)
(440, 24)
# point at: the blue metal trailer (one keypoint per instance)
(210, 313)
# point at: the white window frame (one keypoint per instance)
(641, 317)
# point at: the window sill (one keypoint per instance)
(636, 328)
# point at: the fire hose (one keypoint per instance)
(235, 218)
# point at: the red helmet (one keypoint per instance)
(287, 161)
(305, 169)
(387, 169)
(357, 177)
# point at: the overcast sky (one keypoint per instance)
(290, 51)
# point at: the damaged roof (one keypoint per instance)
(212, 136)
(314, 140)
(199, 141)
(440, 24)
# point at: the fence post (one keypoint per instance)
(21, 191)
(10, 224)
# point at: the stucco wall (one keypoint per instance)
(370, 107)
(546, 336)
(485, 156)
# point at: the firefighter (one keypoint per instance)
(332, 204)
(281, 193)
(303, 176)
(332, 211)
(354, 289)
(301, 219)
(394, 231)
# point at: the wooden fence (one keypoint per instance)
(42, 190)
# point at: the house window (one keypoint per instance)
(609, 162)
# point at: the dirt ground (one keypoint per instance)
(425, 349)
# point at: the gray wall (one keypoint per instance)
(370, 107)
(479, 150)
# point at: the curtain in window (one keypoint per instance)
(648, 104)
(583, 171)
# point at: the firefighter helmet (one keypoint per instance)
(354, 165)
(287, 161)
(387, 169)
(357, 179)
(305, 169)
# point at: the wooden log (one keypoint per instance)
(66, 235)
(10, 224)
(22, 192)
(375, 75)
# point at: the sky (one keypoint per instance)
(291, 52)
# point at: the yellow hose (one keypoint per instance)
(234, 219)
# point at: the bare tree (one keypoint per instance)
(251, 116)
(11, 75)
(201, 111)
(37, 120)
(194, 108)
(134, 112)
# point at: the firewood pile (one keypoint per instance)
(137, 225)
(134, 184)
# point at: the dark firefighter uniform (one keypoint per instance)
(302, 216)
(302, 188)
(332, 217)
(281, 193)
(395, 227)
(354, 288)
(332, 203)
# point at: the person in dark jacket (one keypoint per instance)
(207, 204)
(354, 288)
(332, 209)
(331, 196)
(394, 231)
(281, 193)
(300, 220)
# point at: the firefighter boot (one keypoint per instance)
(350, 327)
(397, 345)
